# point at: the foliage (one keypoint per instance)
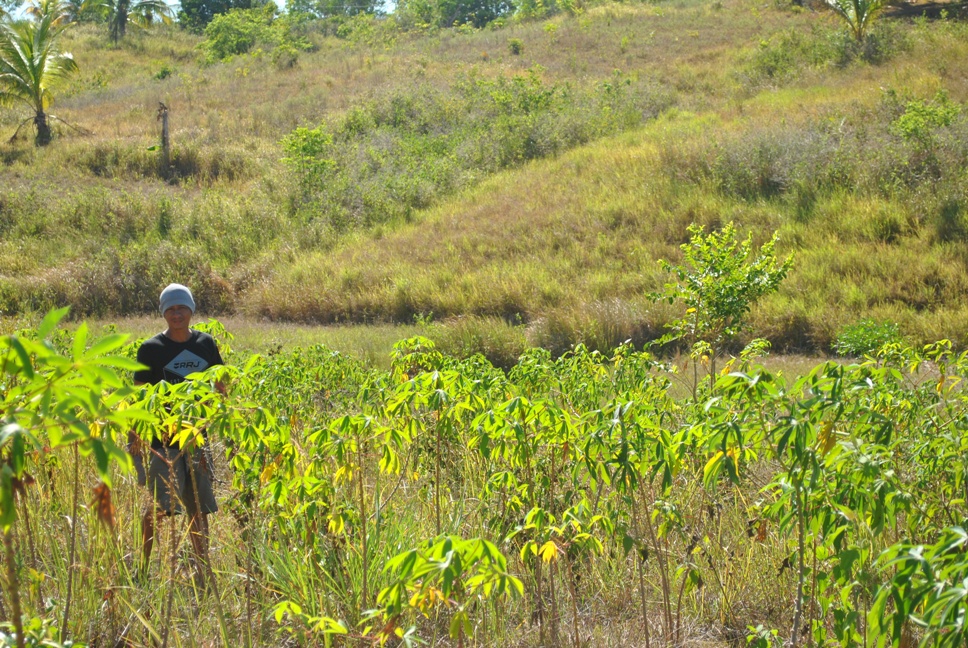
(84, 11)
(307, 154)
(334, 8)
(195, 15)
(140, 13)
(399, 154)
(858, 14)
(238, 31)
(452, 13)
(927, 589)
(718, 282)
(589, 478)
(921, 118)
(31, 64)
(866, 336)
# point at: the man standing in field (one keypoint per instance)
(184, 474)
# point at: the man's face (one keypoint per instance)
(178, 317)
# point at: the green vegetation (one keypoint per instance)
(505, 184)
(858, 14)
(530, 175)
(141, 13)
(330, 167)
(718, 283)
(568, 501)
(866, 337)
(239, 31)
(31, 63)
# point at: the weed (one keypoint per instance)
(866, 337)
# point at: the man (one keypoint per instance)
(185, 473)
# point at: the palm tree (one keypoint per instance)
(858, 14)
(140, 12)
(30, 64)
(37, 9)
(82, 10)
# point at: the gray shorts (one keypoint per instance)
(168, 474)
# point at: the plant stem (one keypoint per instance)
(248, 576)
(366, 560)
(174, 549)
(437, 474)
(663, 575)
(645, 610)
(71, 555)
(801, 533)
(537, 577)
(574, 602)
(13, 583)
(32, 548)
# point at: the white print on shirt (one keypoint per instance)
(183, 364)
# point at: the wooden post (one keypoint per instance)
(165, 140)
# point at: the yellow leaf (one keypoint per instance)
(828, 438)
(548, 551)
(267, 473)
(335, 524)
(343, 473)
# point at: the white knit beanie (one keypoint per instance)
(176, 295)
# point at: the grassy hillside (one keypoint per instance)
(530, 174)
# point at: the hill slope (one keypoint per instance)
(537, 187)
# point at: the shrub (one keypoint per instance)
(922, 118)
(501, 343)
(388, 157)
(866, 336)
(515, 46)
(240, 30)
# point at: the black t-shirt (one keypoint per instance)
(172, 361)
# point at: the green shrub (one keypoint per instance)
(866, 336)
(240, 30)
(389, 157)
(495, 339)
(515, 46)
(922, 118)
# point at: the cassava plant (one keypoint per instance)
(718, 281)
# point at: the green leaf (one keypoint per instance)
(8, 512)
(51, 320)
(80, 341)
(25, 365)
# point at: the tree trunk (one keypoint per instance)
(43, 129)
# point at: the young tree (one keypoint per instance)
(30, 64)
(719, 281)
(196, 14)
(858, 14)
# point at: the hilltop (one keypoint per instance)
(517, 182)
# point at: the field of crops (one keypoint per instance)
(587, 500)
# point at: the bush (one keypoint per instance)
(866, 336)
(389, 157)
(240, 30)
